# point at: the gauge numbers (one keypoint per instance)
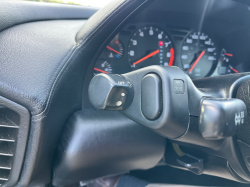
(199, 55)
(228, 65)
(150, 46)
(102, 66)
(115, 49)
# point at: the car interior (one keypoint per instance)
(137, 93)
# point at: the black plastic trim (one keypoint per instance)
(100, 143)
(21, 140)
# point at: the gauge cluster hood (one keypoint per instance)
(50, 52)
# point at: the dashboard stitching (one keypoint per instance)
(34, 100)
(76, 50)
(37, 104)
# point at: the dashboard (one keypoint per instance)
(53, 134)
(203, 38)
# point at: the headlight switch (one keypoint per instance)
(110, 92)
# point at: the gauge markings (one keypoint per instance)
(115, 49)
(227, 60)
(199, 55)
(102, 66)
(150, 46)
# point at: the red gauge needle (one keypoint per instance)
(101, 70)
(171, 61)
(196, 62)
(113, 50)
(236, 71)
(228, 54)
(146, 57)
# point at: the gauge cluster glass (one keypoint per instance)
(199, 55)
(204, 41)
(196, 53)
(150, 46)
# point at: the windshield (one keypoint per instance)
(92, 3)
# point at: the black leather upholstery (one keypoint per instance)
(43, 64)
(18, 12)
(31, 56)
(37, 61)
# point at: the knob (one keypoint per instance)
(110, 92)
(220, 118)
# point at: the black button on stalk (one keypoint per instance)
(220, 118)
(151, 96)
(110, 92)
(179, 87)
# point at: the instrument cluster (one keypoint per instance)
(211, 48)
(199, 54)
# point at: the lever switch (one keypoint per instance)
(220, 118)
(110, 92)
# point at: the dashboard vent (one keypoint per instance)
(9, 124)
(14, 126)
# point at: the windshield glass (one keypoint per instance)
(92, 3)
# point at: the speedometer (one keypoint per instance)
(199, 55)
(150, 46)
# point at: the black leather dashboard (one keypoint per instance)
(44, 57)
(47, 56)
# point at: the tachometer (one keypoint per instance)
(199, 55)
(150, 46)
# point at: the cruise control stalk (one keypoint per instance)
(202, 113)
(164, 99)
